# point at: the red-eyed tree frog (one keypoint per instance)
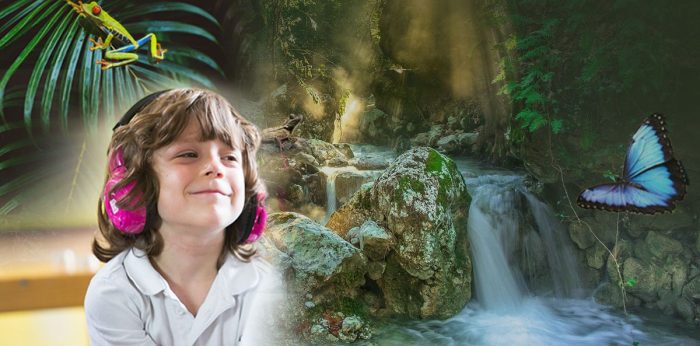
(115, 32)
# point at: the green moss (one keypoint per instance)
(408, 183)
(439, 166)
(350, 306)
(435, 162)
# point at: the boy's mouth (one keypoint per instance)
(210, 192)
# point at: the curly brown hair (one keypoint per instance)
(158, 124)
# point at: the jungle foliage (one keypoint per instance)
(582, 70)
(50, 84)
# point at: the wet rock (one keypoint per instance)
(354, 328)
(595, 256)
(667, 302)
(691, 291)
(421, 200)
(457, 143)
(321, 262)
(685, 309)
(372, 239)
(295, 194)
(534, 262)
(424, 204)
(353, 213)
(375, 270)
(316, 187)
(345, 149)
(324, 152)
(370, 162)
(580, 234)
(373, 125)
(347, 183)
(657, 247)
(679, 219)
(609, 294)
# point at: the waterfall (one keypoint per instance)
(566, 276)
(331, 173)
(511, 230)
(493, 231)
(499, 230)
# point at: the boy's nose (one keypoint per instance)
(214, 168)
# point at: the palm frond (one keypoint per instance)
(50, 78)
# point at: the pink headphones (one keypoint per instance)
(133, 220)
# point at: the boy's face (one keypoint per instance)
(202, 187)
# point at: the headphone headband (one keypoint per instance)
(137, 107)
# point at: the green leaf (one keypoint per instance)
(155, 26)
(165, 7)
(557, 125)
(7, 38)
(52, 80)
(17, 62)
(152, 76)
(85, 82)
(27, 5)
(186, 72)
(108, 95)
(94, 104)
(40, 64)
(196, 55)
(534, 97)
(610, 175)
(10, 126)
(26, 179)
(119, 88)
(68, 79)
(19, 144)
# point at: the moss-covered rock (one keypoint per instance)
(657, 246)
(324, 152)
(320, 262)
(422, 200)
(372, 239)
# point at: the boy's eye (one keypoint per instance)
(188, 155)
(231, 158)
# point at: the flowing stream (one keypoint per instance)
(511, 231)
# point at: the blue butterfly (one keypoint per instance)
(653, 180)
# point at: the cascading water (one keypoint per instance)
(331, 173)
(493, 228)
(506, 221)
(564, 270)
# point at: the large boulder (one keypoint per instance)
(347, 183)
(325, 153)
(422, 201)
(320, 262)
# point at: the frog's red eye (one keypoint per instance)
(96, 10)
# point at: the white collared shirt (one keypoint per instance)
(129, 303)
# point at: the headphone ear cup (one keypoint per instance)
(259, 222)
(252, 220)
(128, 221)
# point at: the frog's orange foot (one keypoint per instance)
(76, 7)
(105, 64)
(96, 44)
(160, 53)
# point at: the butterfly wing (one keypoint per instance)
(623, 197)
(652, 181)
(650, 147)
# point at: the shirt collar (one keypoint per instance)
(237, 276)
(139, 269)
